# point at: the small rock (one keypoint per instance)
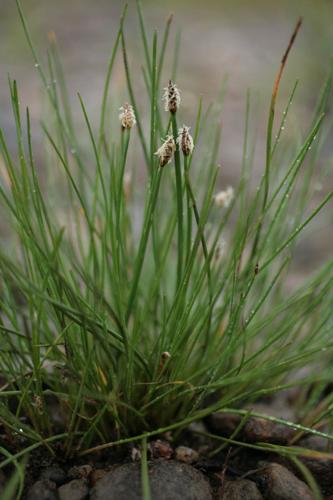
(255, 429)
(167, 479)
(135, 454)
(224, 423)
(241, 489)
(75, 490)
(316, 443)
(43, 490)
(322, 471)
(278, 483)
(55, 474)
(160, 449)
(80, 471)
(96, 475)
(187, 455)
(259, 429)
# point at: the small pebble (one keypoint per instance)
(187, 455)
(259, 429)
(278, 483)
(80, 471)
(241, 489)
(135, 454)
(255, 429)
(161, 449)
(223, 423)
(75, 490)
(316, 443)
(43, 490)
(55, 474)
(322, 471)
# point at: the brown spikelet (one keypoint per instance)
(185, 140)
(171, 97)
(166, 151)
(127, 116)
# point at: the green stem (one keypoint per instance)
(204, 247)
(144, 240)
(189, 211)
(144, 472)
(180, 210)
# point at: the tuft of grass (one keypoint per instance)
(132, 307)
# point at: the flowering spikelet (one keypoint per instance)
(224, 198)
(165, 356)
(171, 97)
(185, 140)
(127, 116)
(165, 152)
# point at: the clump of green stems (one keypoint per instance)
(129, 320)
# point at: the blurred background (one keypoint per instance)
(238, 39)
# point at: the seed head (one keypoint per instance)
(166, 151)
(171, 97)
(224, 198)
(185, 140)
(165, 356)
(127, 116)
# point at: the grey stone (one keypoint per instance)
(223, 423)
(255, 429)
(74, 490)
(169, 480)
(55, 474)
(241, 489)
(80, 471)
(281, 484)
(322, 470)
(43, 490)
(316, 443)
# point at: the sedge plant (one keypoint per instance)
(136, 297)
